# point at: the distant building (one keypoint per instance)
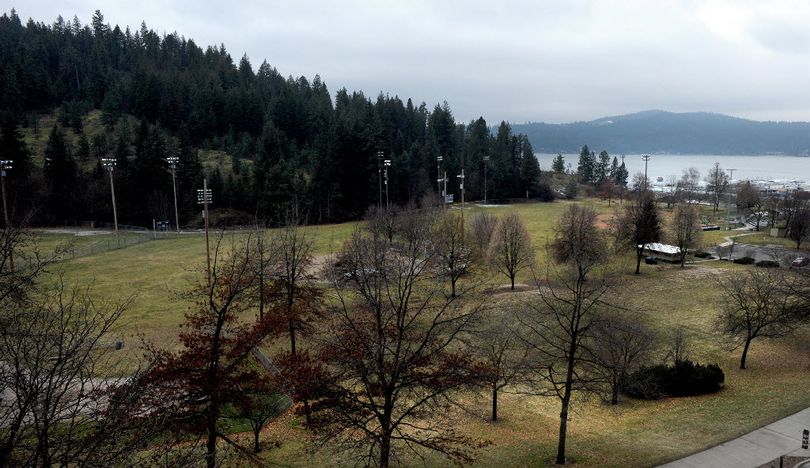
(661, 251)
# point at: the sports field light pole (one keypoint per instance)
(379, 177)
(387, 164)
(486, 161)
(5, 165)
(173, 160)
(439, 179)
(728, 203)
(461, 177)
(204, 198)
(109, 164)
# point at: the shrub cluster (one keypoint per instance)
(684, 378)
(744, 260)
(702, 254)
(768, 264)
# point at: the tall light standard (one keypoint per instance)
(461, 186)
(387, 164)
(5, 165)
(486, 161)
(379, 177)
(109, 164)
(173, 160)
(204, 198)
(439, 178)
(728, 203)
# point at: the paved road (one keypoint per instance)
(784, 437)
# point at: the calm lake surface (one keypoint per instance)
(783, 169)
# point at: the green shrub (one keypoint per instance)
(684, 378)
(702, 254)
(744, 260)
(768, 264)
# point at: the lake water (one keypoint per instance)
(790, 170)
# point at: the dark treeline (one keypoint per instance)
(291, 146)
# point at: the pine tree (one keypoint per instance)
(585, 168)
(61, 176)
(530, 170)
(601, 171)
(558, 164)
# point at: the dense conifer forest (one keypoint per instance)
(97, 91)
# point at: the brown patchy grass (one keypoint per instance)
(635, 433)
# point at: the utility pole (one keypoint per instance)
(173, 160)
(109, 163)
(204, 198)
(379, 177)
(5, 165)
(387, 164)
(486, 160)
(728, 203)
(646, 159)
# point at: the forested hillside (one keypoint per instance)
(675, 133)
(71, 94)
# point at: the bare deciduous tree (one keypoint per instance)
(717, 182)
(559, 327)
(620, 346)
(393, 352)
(482, 227)
(511, 248)
(504, 357)
(799, 227)
(453, 253)
(756, 306)
(685, 229)
(51, 351)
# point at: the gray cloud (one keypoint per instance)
(516, 60)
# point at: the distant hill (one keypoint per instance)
(658, 131)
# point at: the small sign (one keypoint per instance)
(448, 198)
(805, 438)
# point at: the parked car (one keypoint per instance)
(799, 262)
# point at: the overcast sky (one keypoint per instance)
(552, 61)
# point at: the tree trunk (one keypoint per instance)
(256, 431)
(453, 287)
(385, 450)
(563, 425)
(614, 397)
(495, 402)
(292, 336)
(745, 353)
(512, 278)
(639, 254)
(211, 443)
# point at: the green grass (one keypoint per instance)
(636, 433)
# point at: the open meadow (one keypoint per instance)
(634, 433)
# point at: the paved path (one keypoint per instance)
(784, 437)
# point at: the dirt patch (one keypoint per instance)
(604, 220)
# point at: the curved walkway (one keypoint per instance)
(757, 448)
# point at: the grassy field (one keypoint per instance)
(635, 433)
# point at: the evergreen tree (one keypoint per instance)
(586, 166)
(614, 168)
(61, 176)
(622, 175)
(530, 170)
(558, 164)
(601, 172)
